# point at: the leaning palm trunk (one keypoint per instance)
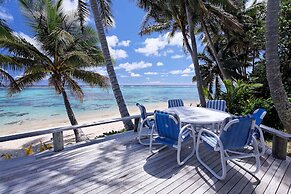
(194, 55)
(209, 40)
(110, 70)
(278, 93)
(79, 135)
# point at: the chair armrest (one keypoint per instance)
(211, 134)
(147, 119)
(230, 123)
(185, 127)
(174, 119)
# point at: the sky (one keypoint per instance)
(151, 59)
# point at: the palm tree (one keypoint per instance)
(193, 51)
(171, 16)
(210, 73)
(5, 63)
(218, 12)
(63, 54)
(103, 17)
(278, 93)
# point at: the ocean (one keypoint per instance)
(36, 103)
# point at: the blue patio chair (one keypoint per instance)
(259, 115)
(216, 104)
(171, 134)
(145, 125)
(175, 103)
(237, 133)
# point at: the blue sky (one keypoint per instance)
(153, 59)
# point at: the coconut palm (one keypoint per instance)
(171, 16)
(211, 74)
(62, 56)
(278, 93)
(5, 64)
(101, 10)
(103, 17)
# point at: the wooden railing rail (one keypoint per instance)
(279, 143)
(58, 131)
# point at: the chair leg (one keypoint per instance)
(179, 150)
(222, 159)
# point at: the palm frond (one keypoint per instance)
(27, 80)
(91, 78)
(106, 14)
(74, 88)
(83, 12)
(6, 77)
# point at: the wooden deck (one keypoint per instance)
(121, 165)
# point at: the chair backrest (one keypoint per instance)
(237, 131)
(259, 115)
(167, 125)
(143, 113)
(216, 104)
(175, 103)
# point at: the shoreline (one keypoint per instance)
(16, 147)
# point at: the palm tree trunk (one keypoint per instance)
(274, 76)
(194, 55)
(79, 135)
(224, 74)
(110, 70)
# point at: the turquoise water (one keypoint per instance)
(42, 102)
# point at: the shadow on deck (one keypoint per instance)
(121, 165)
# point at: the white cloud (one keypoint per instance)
(185, 72)
(176, 72)
(177, 56)
(185, 75)
(29, 39)
(151, 73)
(118, 53)
(250, 2)
(4, 15)
(70, 5)
(100, 70)
(135, 65)
(134, 74)
(154, 46)
(166, 52)
(113, 41)
(160, 64)
(124, 43)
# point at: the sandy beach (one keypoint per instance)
(16, 147)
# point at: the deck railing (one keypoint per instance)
(279, 146)
(57, 133)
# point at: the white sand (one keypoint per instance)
(16, 147)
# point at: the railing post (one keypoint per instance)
(136, 123)
(279, 147)
(58, 141)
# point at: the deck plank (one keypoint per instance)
(240, 185)
(165, 185)
(121, 165)
(285, 183)
(276, 180)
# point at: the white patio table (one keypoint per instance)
(198, 115)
